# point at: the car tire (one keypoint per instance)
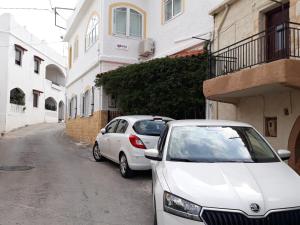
(97, 153)
(125, 171)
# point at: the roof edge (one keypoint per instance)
(74, 18)
(219, 8)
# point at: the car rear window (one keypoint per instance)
(150, 127)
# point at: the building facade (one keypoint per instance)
(255, 69)
(104, 35)
(32, 81)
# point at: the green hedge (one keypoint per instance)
(168, 87)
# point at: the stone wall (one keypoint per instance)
(86, 129)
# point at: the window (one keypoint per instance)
(162, 140)
(271, 127)
(112, 101)
(111, 127)
(50, 104)
(37, 66)
(172, 8)
(85, 107)
(149, 127)
(17, 96)
(36, 94)
(92, 33)
(73, 107)
(19, 54)
(35, 100)
(127, 22)
(121, 129)
(76, 49)
(37, 62)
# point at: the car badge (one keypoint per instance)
(255, 207)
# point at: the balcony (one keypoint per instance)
(265, 62)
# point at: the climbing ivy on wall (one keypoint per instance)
(167, 87)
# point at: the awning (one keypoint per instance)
(34, 91)
(38, 58)
(20, 47)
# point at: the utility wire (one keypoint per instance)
(35, 43)
(51, 6)
(36, 9)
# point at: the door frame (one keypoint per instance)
(271, 31)
(294, 140)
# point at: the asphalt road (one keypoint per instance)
(65, 186)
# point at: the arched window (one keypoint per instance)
(127, 22)
(50, 104)
(92, 33)
(17, 96)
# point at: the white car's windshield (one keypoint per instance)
(218, 144)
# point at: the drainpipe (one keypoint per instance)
(227, 6)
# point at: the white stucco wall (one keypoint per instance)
(170, 37)
(3, 72)
(176, 35)
(23, 77)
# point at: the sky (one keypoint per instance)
(41, 22)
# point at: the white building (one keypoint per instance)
(104, 35)
(32, 81)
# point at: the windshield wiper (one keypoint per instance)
(191, 160)
(234, 161)
(181, 160)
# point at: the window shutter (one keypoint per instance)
(81, 105)
(75, 106)
(70, 108)
(92, 101)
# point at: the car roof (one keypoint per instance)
(208, 123)
(134, 118)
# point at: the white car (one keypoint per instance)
(221, 173)
(125, 139)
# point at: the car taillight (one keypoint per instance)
(136, 142)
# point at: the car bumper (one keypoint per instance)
(137, 161)
(165, 218)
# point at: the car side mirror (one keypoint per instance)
(284, 154)
(103, 131)
(153, 154)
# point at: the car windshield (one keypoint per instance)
(218, 144)
(149, 127)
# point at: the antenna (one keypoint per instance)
(57, 14)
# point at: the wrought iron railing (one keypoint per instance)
(276, 43)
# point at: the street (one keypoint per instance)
(48, 179)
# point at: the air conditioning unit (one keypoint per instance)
(146, 48)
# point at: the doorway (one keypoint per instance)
(61, 111)
(294, 146)
(297, 153)
(277, 33)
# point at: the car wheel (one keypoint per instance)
(126, 172)
(97, 153)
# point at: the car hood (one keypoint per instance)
(235, 185)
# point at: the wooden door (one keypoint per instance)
(277, 38)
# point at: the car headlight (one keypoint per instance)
(181, 207)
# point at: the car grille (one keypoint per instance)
(291, 217)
